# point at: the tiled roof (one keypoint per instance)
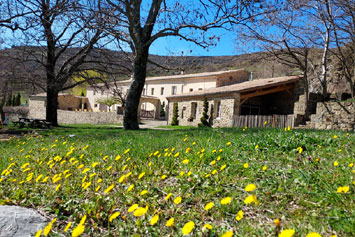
(240, 87)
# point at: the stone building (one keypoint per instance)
(157, 89)
(258, 97)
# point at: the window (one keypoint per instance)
(200, 89)
(143, 91)
(173, 90)
(218, 109)
(162, 91)
(183, 111)
(95, 105)
(193, 110)
(191, 89)
(94, 92)
(152, 90)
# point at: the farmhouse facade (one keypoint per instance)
(258, 97)
(157, 89)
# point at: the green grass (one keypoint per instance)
(300, 189)
(178, 127)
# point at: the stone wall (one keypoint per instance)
(186, 118)
(38, 111)
(226, 79)
(334, 115)
(14, 113)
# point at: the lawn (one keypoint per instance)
(105, 181)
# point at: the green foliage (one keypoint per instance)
(109, 101)
(18, 100)
(204, 118)
(299, 188)
(162, 110)
(175, 120)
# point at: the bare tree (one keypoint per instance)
(65, 33)
(137, 24)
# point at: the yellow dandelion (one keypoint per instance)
(188, 227)
(228, 143)
(228, 234)
(57, 188)
(177, 200)
(38, 233)
(209, 206)
(264, 167)
(240, 215)
(114, 216)
(78, 230)
(246, 165)
(277, 222)
(154, 219)
(287, 233)
(223, 167)
(313, 234)
(213, 162)
(250, 187)
(214, 172)
(251, 199)
(336, 163)
(226, 200)
(164, 177)
(170, 222)
(141, 175)
(208, 226)
(109, 188)
(130, 188)
(68, 226)
(133, 207)
(168, 196)
(144, 192)
(185, 161)
(140, 211)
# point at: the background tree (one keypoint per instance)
(204, 118)
(175, 120)
(58, 28)
(109, 101)
(137, 24)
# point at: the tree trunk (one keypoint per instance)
(52, 106)
(130, 119)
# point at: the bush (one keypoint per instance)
(204, 118)
(175, 121)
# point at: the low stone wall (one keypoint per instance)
(334, 115)
(14, 113)
(76, 117)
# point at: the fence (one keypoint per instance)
(149, 114)
(253, 121)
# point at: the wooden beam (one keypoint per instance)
(267, 91)
(243, 101)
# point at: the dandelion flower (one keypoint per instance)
(38, 234)
(246, 165)
(250, 187)
(239, 215)
(78, 230)
(144, 192)
(109, 188)
(140, 211)
(133, 207)
(68, 226)
(250, 199)
(277, 222)
(213, 162)
(208, 226)
(209, 206)
(223, 167)
(287, 233)
(163, 177)
(141, 175)
(226, 200)
(170, 222)
(130, 188)
(188, 227)
(154, 219)
(336, 163)
(264, 167)
(185, 161)
(114, 216)
(228, 234)
(177, 200)
(313, 234)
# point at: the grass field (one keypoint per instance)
(106, 181)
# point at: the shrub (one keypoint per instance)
(175, 121)
(162, 111)
(204, 118)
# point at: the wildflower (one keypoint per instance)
(140, 211)
(177, 200)
(226, 200)
(154, 219)
(239, 215)
(250, 187)
(86, 185)
(344, 189)
(223, 167)
(277, 222)
(246, 165)
(109, 188)
(126, 151)
(214, 172)
(300, 150)
(336, 163)
(189, 173)
(265, 122)
(168, 196)
(287, 233)
(144, 192)
(182, 173)
(68, 226)
(177, 154)
(163, 177)
(57, 188)
(208, 226)
(188, 227)
(120, 180)
(250, 199)
(188, 150)
(133, 207)
(130, 188)
(38, 234)
(256, 147)
(78, 230)
(48, 228)
(351, 165)
(335, 136)
(209, 206)
(170, 222)
(264, 167)
(141, 175)
(313, 234)
(213, 162)
(228, 234)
